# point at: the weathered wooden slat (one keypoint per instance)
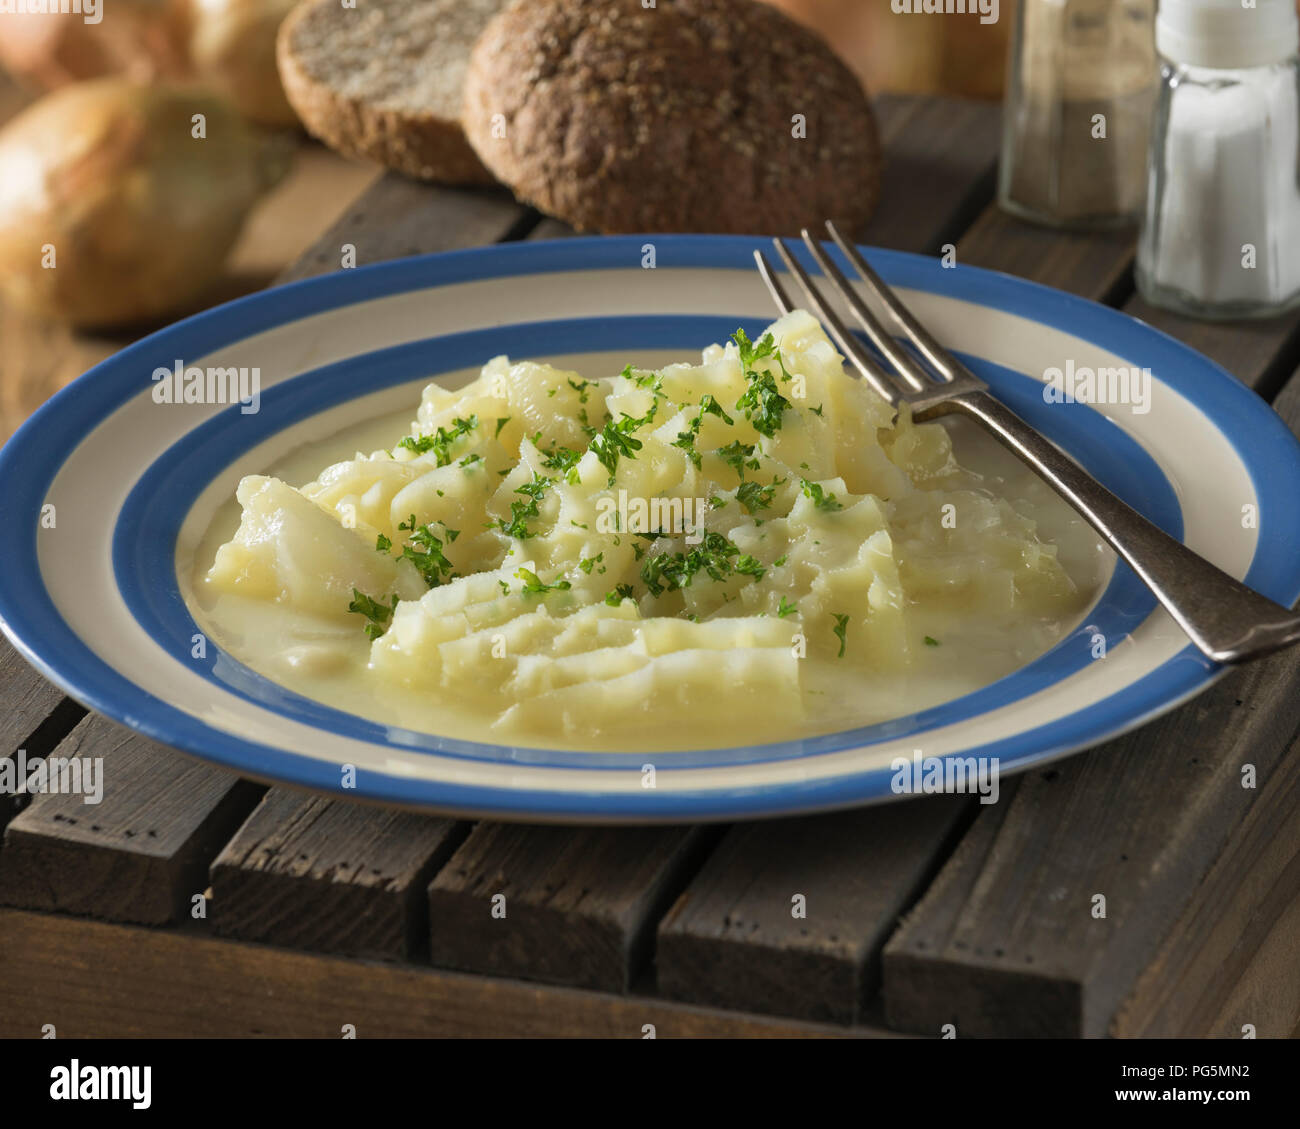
(28, 699)
(330, 876)
(139, 855)
(94, 980)
(397, 217)
(789, 917)
(940, 160)
(1262, 353)
(1232, 958)
(1094, 265)
(1005, 942)
(568, 905)
(36, 717)
(548, 228)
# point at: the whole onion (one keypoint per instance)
(141, 39)
(112, 211)
(232, 46)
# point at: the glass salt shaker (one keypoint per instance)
(1081, 82)
(1221, 233)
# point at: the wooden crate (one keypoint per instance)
(320, 912)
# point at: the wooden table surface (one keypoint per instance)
(191, 902)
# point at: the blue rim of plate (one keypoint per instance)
(150, 521)
(32, 622)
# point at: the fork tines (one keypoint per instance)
(909, 378)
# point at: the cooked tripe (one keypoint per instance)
(711, 554)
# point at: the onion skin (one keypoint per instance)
(232, 45)
(140, 39)
(139, 213)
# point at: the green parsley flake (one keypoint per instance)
(424, 551)
(535, 586)
(520, 512)
(820, 498)
(715, 555)
(755, 497)
(376, 612)
(441, 441)
(762, 401)
(738, 456)
(841, 631)
(615, 440)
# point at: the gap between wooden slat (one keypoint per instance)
(307, 872)
(36, 717)
(139, 854)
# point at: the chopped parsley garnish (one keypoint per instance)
(588, 563)
(376, 612)
(755, 497)
(469, 461)
(615, 439)
(820, 498)
(651, 381)
(841, 631)
(534, 585)
(817, 410)
(564, 460)
(931, 642)
(738, 456)
(762, 401)
(520, 512)
(618, 595)
(500, 424)
(715, 556)
(424, 551)
(686, 439)
(441, 441)
(785, 608)
(580, 387)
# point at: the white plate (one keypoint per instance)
(95, 600)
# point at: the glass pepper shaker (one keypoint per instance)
(1081, 82)
(1221, 233)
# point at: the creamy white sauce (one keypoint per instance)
(328, 662)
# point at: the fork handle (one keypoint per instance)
(1225, 619)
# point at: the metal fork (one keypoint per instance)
(1225, 619)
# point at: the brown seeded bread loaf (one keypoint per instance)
(384, 79)
(681, 117)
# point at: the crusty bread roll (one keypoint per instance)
(681, 117)
(383, 80)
